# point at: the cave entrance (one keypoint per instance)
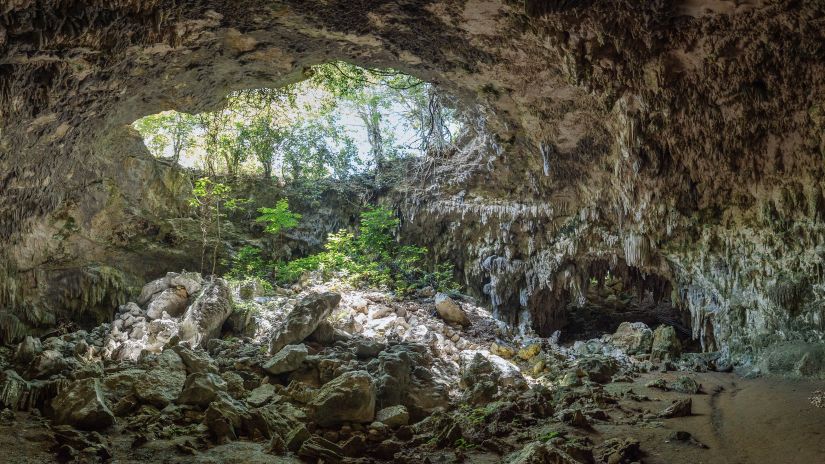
(306, 176)
(621, 293)
(340, 121)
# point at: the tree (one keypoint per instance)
(278, 218)
(211, 201)
(169, 130)
(263, 140)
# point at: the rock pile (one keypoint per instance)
(340, 376)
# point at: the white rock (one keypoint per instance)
(288, 359)
(152, 288)
(191, 281)
(171, 300)
(380, 311)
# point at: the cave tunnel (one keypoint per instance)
(597, 237)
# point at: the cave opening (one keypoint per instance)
(513, 233)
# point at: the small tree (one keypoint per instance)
(211, 201)
(278, 218)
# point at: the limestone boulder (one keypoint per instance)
(450, 311)
(633, 338)
(304, 319)
(82, 405)
(204, 318)
(46, 364)
(27, 350)
(163, 381)
(288, 359)
(171, 301)
(201, 389)
(192, 282)
(349, 397)
(665, 344)
(393, 416)
(153, 288)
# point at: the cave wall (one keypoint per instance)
(683, 138)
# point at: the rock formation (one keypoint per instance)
(677, 145)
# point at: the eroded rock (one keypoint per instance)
(304, 319)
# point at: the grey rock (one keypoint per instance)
(288, 359)
(393, 416)
(633, 338)
(82, 405)
(349, 397)
(152, 288)
(171, 301)
(196, 361)
(162, 383)
(204, 318)
(666, 345)
(304, 319)
(46, 364)
(191, 281)
(28, 349)
(201, 389)
(261, 395)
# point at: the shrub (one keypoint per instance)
(371, 257)
(248, 263)
(278, 218)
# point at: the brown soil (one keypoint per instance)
(742, 421)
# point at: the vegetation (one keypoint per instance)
(342, 123)
(371, 257)
(341, 120)
(278, 218)
(211, 201)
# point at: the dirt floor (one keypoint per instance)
(741, 421)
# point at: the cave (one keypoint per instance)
(619, 258)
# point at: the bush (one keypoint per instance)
(278, 218)
(372, 257)
(248, 263)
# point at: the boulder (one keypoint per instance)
(618, 450)
(477, 365)
(678, 408)
(152, 288)
(633, 338)
(196, 361)
(46, 364)
(171, 301)
(288, 359)
(201, 389)
(224, 418)
(261, 395)
(349, 397)
(162, 383)
(599, 369)
(191, 281)
(403, 379)
(324, 334)
(82, 405)
(317, 449)
(304, 319)
(450, 311)
(666, 345)
(27, 350)
(204, 318)
(393, 416)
